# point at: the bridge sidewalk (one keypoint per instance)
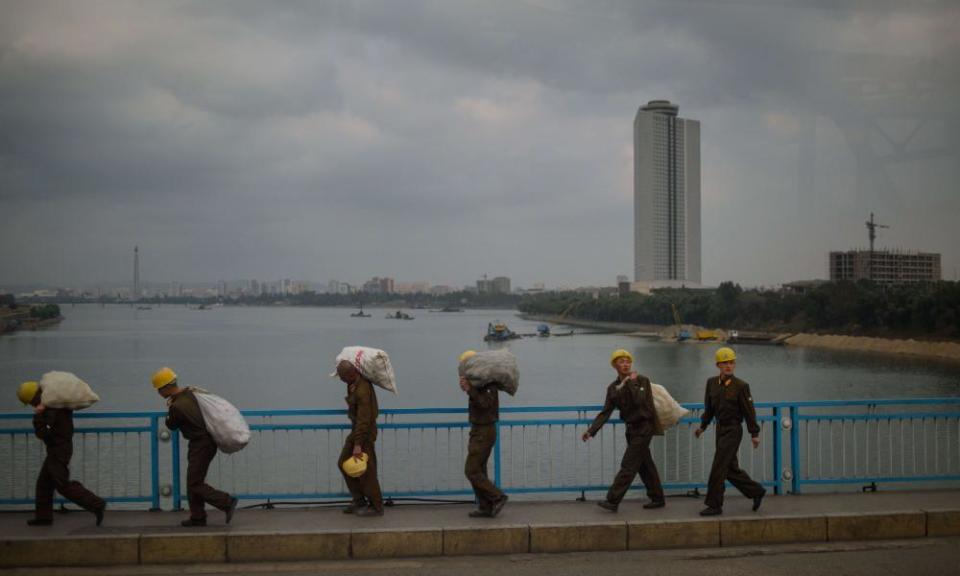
(294, 534)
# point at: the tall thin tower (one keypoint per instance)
(666, 152)
(136, 272)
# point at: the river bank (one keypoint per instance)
(939, 350)
(943, 350)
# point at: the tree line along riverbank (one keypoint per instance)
(15, 317)
(920, 319)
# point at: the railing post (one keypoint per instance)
(795, 449)
(175, 467)
(154, 463)
(777, 451)
(496, 457)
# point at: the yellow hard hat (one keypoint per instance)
(354, 469)
(466, 354)
(725, 355)
(27, 391)
(163, 377)
(620, 353)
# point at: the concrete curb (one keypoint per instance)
(871, 526)
(943, 523)
(396, 543)
(183, 548)
(79, 551)
(238, 547)
(773, 530)
(607, 537)
(674, 534)
(288, 547)
(488, 540)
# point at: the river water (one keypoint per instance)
(280, 357)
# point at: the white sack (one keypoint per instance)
(223, 421)
(372, 363)
(492, 367)
(669, 412)
(66, 390)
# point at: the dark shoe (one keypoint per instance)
(99, 513)
(354, 506)
(654, 504)
(607, 505)
(758, 500)
(40, 522)
(711, 512)
(481, 514)
(368, 511)
(231, 509)
(498, 505)
(193, 522)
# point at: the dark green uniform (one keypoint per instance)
(731, 403)
(185, 415)
(634, 399)
(362, 410)
(484, 412)
(55, 427)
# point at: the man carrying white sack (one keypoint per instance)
(362, 409)
(185, 415)
(55, 427)
(484, 410)
(632, 394)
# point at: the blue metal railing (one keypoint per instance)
(293, 453)
(145, 426)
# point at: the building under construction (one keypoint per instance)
(885, 266)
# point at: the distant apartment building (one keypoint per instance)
(666, 196)
(377, 285)
(885, 266)
(412, 287)
(499, 285)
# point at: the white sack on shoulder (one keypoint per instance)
(223, 421)
(492, 367)
(372, 363)
(66, 390)
(669, 412)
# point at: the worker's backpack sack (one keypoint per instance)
(372, 363)
(66, 390)
(223, 421)
(669, 412)
(492, 367)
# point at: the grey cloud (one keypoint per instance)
(352, 139)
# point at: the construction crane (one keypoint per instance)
(872, 226)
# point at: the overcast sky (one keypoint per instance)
(441, 140)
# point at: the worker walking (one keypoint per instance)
(484, 412)
(362, 409)
(184, 414)
(55, 427)
(632, 394)
(728, 399)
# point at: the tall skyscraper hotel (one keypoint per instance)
(666, 156)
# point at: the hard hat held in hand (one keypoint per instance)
(27, 391)
(620, 353)
(354, 468)
(725, 355)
